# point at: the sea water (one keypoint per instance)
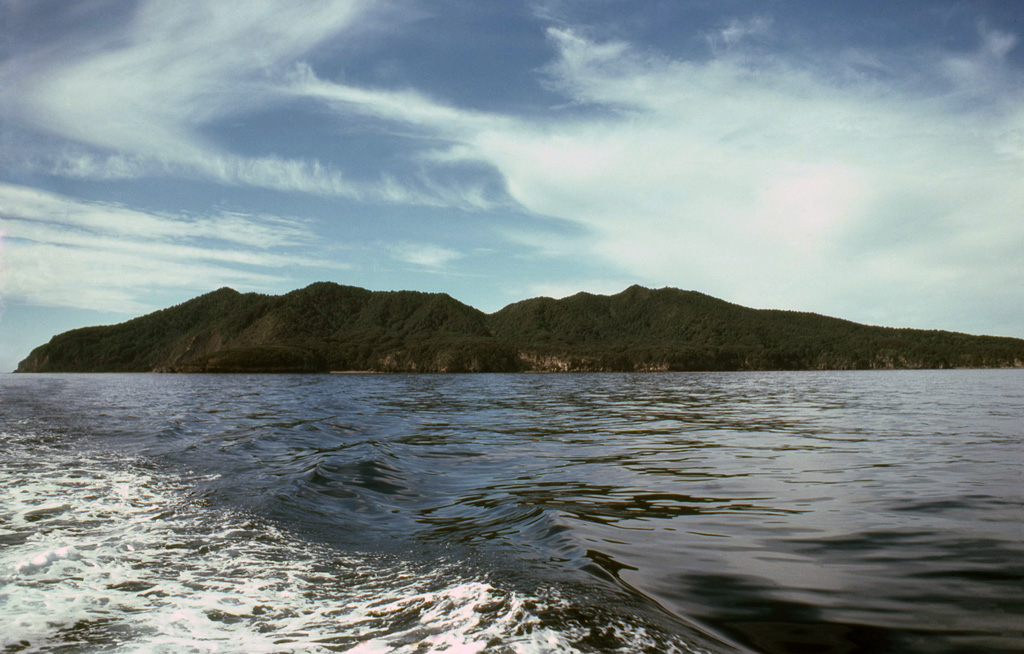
(708, 512)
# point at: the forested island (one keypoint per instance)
(328, 327)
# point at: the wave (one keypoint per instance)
(107, 554)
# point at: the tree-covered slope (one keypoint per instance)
(194, 328)
(670, 329)
(318, 328)
(327, 326)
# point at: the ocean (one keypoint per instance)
(771, 512)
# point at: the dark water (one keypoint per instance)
(706, 512)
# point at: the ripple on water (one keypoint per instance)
(112, 556)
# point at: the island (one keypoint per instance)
(328, 327)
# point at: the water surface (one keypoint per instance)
(704, 512)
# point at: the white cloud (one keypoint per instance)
(115, 279)
(43, 208)
(738, 31)
(769, 181)
(88, 165)
(983, 77)
(996, 44)
(407, 106)
(276, 173)
(753, 182)
(426, 255)
(766, 182)
(137, 99)
(60, 251)
(173, 67)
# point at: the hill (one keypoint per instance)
(329, 327)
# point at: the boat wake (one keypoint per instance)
(106, 555)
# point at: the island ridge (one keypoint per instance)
(328, 327)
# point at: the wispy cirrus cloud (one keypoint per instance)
(406, 106)
(737, 31)
(775, 183)
(145, 86)
(60, 251)
(137, 99)
(426, 255)
(822, 185)
(873, 183)
(39, 207)
(305, 176)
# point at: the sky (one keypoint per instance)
(860, 160)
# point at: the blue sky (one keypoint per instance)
(861, 160)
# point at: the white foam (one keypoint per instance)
(42, 560)
(110, 556)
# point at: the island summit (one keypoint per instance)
(328, 327)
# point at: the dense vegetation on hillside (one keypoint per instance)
(329, 327)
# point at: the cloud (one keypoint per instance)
(996, 45)
(407, 106)
(983, 75)
(771, 182)
(828, 181)
(115, 278)
(738, 31)
(137, 99)
(774, 184)
(27, 204)
(423, 254)
(145, 87)
(88, 165)
(59, 251)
